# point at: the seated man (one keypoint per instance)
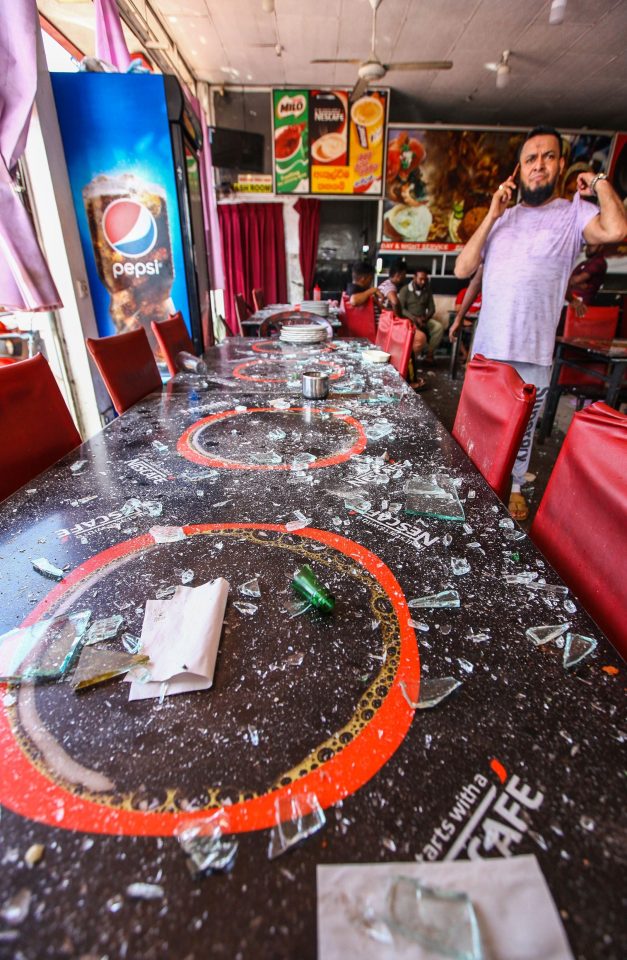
(389, 288)
(417, 304)
(586, 279)
(361, 290)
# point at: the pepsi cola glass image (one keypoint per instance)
(128, 223)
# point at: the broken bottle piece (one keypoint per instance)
(434, 496)
(297, 817)
(577, 648)
(440, 920)
(98, 666)
(428, 693)
(309, 587)
(541, 635)
(205, 845)
(446, 598)
(43, 651)
(105, 629)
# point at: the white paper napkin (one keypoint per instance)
(181, 635)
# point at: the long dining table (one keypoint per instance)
(235, 475)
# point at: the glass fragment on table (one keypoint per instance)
(276, 435)
(543, 634)
(506, 523)
(253, 735)
(577, 648)
(460, 566)
(131, 643)
(270, 457)
(309, 587)
(525, 576)
(47, 569)
(296, 608)
(15, 910)
(250, 588)
(104, 629)
(167, 534)
(428, 692)
(569, 606)
(433, 496)
(443, 921)
(279, 404)
(552, 589)
(43, 651)
(248, 609)
(205, 845)
(446, 598)
(145, 891)
(98, 666)
(379, 429)
(297, 816)
(159, 447)
(292, 525)
(447, 540)
(78, 466)
(164, 592)
(466, 665)
(187, 576)
(153, 508)
(300, 461)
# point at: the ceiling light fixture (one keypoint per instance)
(557, 12)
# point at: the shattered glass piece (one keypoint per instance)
(15, 910)
(447, 540)
(569, 606)
(541, 635)
(160, 447)
(267, 457)
(301, 461)
(465, 665)
(250, 588)
(295, 659)
(460, 566)
(577, 647)
(309, 587)
(418, 625)
(153, 508)
(167, 534)
(525, 576)
(241, 408)
(114, 904)
(379, 429)
(296, 608)
(104, 629)
(471, 494)
(253, 734)
(145, 891)
(98, 666)
(205, 845)
(358, 503)
(446, 598)
(506, 523)
(554, 589)
(434, 496)
(279, 404)
(440, 920)
(431, 691)
(43, 651)
(164, 592)
(372, 925)
(276, 435)
(78, 466)
(130, 643)
(43, 566)
(248, 609)
(297, 817)
(467, 529)
(130, 507)
(187, 576)
(514, 534)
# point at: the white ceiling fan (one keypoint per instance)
(372, 69)
(501, 68)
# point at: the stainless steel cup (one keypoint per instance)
(315, 385)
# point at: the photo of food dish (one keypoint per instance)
(408, 223)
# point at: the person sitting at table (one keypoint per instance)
(389, 288)
(362, 288)
(586, 279)
(417, 304)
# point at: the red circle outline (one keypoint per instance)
(237, 371)
(28, 792)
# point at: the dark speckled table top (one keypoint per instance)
(525, 757)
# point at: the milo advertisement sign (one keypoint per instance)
(291, 141)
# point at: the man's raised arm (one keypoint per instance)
(469, 260)
(610, 225)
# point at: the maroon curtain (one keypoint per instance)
(253, 249)
(308, 234)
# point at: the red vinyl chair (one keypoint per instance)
(384, 329)
(172, 337)
(493, 413)
(359, 321)
(582, 518)
(35, 424)
(127, 366)
(598, 323)
(399, 345)
(259, 301)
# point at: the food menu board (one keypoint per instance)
(439, 182)
(326, 146)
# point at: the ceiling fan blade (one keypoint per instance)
(336, 61)
(358, 90)
(421, 65)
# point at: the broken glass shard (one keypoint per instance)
(98, 666)
(187, 576)
(506, 524)
(446, 598)
(270, 457)
(577, 647)
(48, 569)
(205, 845)
(279, 404)
(569, 606)
(430, 692)
(145, 891)
(460, 566)
(43, 651)
(379, 429)
(159, 447)
(15, 910)
(248, 609)
(167, 534)
(440, 920)
(164, 592)
(153, 508)
(105, 629)
(465, 665)
(525, 576)
(434, 496)
(276, 435)
(130, 643)
(250, 588)
(78, 466)
(301, 461)
(553, 589)
(447, 540)
(130, 507)
(541, 635)
(296, 608)
(297, 817)
(253, 734)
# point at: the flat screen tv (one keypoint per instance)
(236, 149)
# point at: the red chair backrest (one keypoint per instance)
(598, 323)
(384, 329)
(127, 366)
(359, 321)
(582, 518)
(399, 345)
(35, 424)
(259, 300)
(493, 412)
(172, 337)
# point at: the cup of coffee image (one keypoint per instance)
(367, 115)
(331, 148)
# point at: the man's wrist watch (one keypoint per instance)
(595, 180)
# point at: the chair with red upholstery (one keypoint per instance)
(582, 518)
(384, 329)
(598, 323)
(493, 413)
(35, 424)
(127, 366)
(400, 343)
(173, 338)
(358, 321)
(259, 301)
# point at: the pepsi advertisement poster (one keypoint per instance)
(119, 156)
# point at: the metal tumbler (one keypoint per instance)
(315, 385)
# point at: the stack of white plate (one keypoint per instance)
(304, 333)
(320, 307)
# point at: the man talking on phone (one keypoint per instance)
(528, 252)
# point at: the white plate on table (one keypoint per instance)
(376, 356)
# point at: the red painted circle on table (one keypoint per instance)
(239, 375)
(30, 793)
(184, 445)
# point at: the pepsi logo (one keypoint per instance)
(129, 227)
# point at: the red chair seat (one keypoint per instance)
(127, 366)
(581, 522)
(358, 321)
(493, 413)
(35, 424)
(173, 338)
(598, 323)
(384, 329)
(400, 343)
